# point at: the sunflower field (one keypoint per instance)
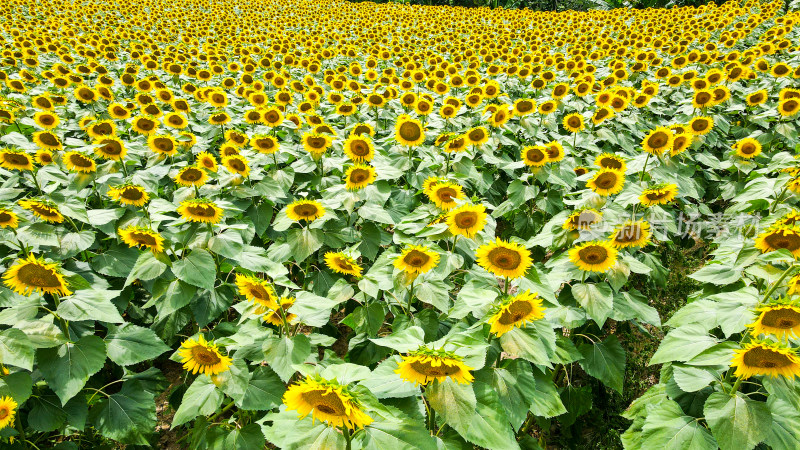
(330, 225)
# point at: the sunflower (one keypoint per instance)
(582, 219)
(606, 182)
(477, 136)
(766, 358)
(219, 118)
(660, 194)
(272, 117)
(573, 122)
(359, 176)
(444, 195)
(554, 150)
(46, 120)
(101, 128)
(703, 98)
(308, 210)
(43, 209)
(504, 259)
(515, 312)
(408, 131)
(163, 144)
(680, 142)
(701, 125)
(79, 162)
(191, 176)
(144, 125)
(524, 106)
(547, 107)
(747, 148)
(200, 210)
(595, 256)
(278, 314)
(15, 159)
(47, 140)
(789, 107)
(316, 143)
(8, 218)
(142, 237)
(8, 409)
(425, 365)
(175, 120)
(602, 114)
(206, 161)
(416, 260)
(129, 194)
(110, 148)
(499, 117)
(631, 234)
(361, 129)
(35, 275)
(236, 164)
(757, 98)
(780, 318)
(118, 111)
(256, 290)
(203, 357)
(466, 220)
(779, 237)
(340, 262)
(611, 161)
(265, 144)
(534, 156)
(359, 148)
(658, 141)
(327, 401)
(236, 138)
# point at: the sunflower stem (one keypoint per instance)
(735, 387)
(227, 407)
(347, 437)
(641, 175)
(505, 287)
(410, 296)
(777, 200)
(777, 283)
(21, 430)
(124, 169)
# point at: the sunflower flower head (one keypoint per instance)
(426, 365)
(326, 401)
(200, 356)
(595, 256)
(504, 259)
(762, 357)
(35, 275)
(343, 263)
(515, 312)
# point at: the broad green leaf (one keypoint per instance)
(287, 431)
(197, 269)
(736, 421)
(91, 304)
(264, 391)
(67, 368)
(17, 385)
(402, 341)
(284, 352)
(312, 309)
(516, 389)
(536, 342)
(667, 427)
(304, 242)
(201, 399)
(128, 417)
(683, 344)
(596, 299)
(785, 430)
(385, 383)
(605, 361)
(147, 267)
(489, 426)
(453, 402)
(116, 261)
(131, 344)
(397, 435)
(16, 349)
(546, 401)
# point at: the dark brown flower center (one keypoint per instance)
(765, 358)
(535, 154)
(658, 140)
(205, 357)
(38, 276)
(782, 318)
(49, 139)
(306, 210)
(446, 194)
(191, 174)
(325, 402)
(466, 219)
(16, 159)
(359, 175)
(515, 312)
(781, 239)
(80, 160)
(163, 144)
(593, 254)
(606, 180)
(410, 131)
(628, 233)
(505, 258)
(429, 370)
(132, 193)
(316, 142)
(416, 258)
(202, 210)
(702, 98)
(44, 210)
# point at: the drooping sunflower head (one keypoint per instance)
(426, 365)
(327, 401)
(504, 259)
(606, 182)
(257, 290)
(658, 141)
(573, 122)
(595, 256)
(15, 159)
(631, 234)
(359, 176)
(8, 409)
(779, 317)
(343, 263)
(445, 195)
(79, 162)
(780, 237)
(701, 125)
(515, 312)
(660, 194)
(408, 131)
(582, 219)
(142, 237)
(766, 358)
(200, 356)
(129, 194)
(191, 176)
(416, 259)
(35, 275)
(308, 210)
(277, 315)
(466, 220)
(236, 164)
(200, 210)
(47, 140)
(163, 144)
(43, 209)
(747, 148)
